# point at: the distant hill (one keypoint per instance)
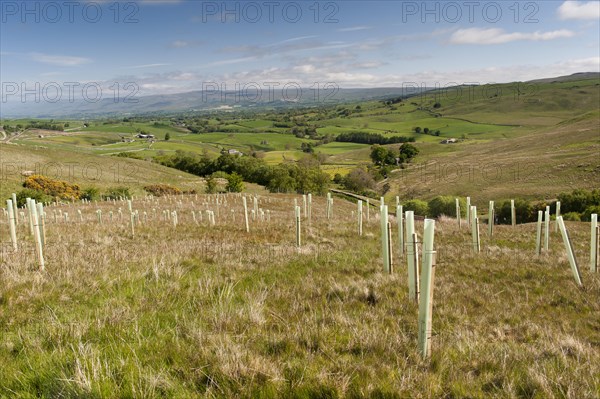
(200, 101)
(569, 78)
(207, 101)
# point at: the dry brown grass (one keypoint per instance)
(211, 311)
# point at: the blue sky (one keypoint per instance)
(175, 46)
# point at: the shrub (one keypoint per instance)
(54, 188)
(91, 194)
(162, 189)
(578, 200)
(572, 216)
(587, 214)
(117, 193)
(524, 211)
(211, 185)
(132, 155)
(446, 205)
(36, 195)
(220, 175)
(235, 183)
(359, 180)
(419, 207)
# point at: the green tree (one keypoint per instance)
(408, 151)
(211, 185)
(359, 180)
(167, 136)
(419, 207)
(235, 183)
(379, 154)
(445, 205)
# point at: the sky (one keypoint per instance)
(170, 46)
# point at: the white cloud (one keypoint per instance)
(367, 64)
(185, 43)
(232, 61)
(146, 66)
(60, 60)
(499, 36)
(354, 28)
(579, 10)
(293, 39)
(180, 44)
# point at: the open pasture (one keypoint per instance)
(192, 304)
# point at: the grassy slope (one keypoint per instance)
(537, 165)
(202, 311)
(532, 140)
(557, 152)
(86, 170)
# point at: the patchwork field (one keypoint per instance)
(538, 138)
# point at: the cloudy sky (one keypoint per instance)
(169, 46)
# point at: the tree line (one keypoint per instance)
(303, 176)
(372, 138)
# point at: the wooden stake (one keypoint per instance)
(570, 253)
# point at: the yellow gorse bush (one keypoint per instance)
(162, 189)
(55, 188)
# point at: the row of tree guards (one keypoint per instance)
(420, 281)
(421, 290)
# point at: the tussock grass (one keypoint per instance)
(211, 311)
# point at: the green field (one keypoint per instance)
(550, 127)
